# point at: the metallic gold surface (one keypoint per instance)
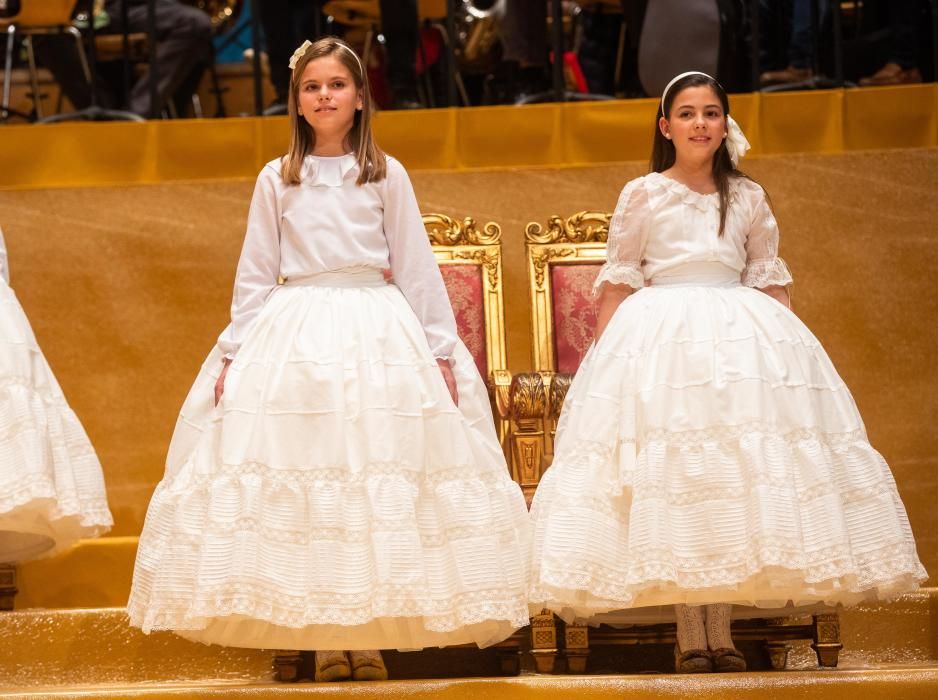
(900, 683)
(128, 287)
(900, 631)
(93, 574)
(74, 647)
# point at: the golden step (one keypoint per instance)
(903, 630)
(75, 647)
(92, 574)
(888, 683)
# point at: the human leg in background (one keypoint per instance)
(901, 67)
(184, 42)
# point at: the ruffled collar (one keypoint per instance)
(701, 202)
(328, 171)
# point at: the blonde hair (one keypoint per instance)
(372, 165)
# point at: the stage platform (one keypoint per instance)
(889, 651)
(886, 683)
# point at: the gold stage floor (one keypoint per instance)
(887, 683)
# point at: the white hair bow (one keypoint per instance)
(736, 142)
(298, 54)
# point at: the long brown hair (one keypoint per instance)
(372, 165)
(663, 153)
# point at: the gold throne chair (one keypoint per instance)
(563, 259)
(470, 261)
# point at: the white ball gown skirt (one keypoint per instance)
(708, 452)
(51, 485)
(336, 498)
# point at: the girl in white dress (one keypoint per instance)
(708, 453)
(348, 491)
(51, 485)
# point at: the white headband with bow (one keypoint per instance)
(301, 51)
(736, 142)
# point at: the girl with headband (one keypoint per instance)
(335, 481)
(708, 453)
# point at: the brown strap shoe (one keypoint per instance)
(893, 74)
(785, 76)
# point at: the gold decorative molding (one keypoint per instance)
(488, 259)
(528, 399)
(540, 260)
(445, 230)
(578, 239)
(583, 227)
(559, 386)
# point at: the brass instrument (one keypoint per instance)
(477, 35)
(220, 12)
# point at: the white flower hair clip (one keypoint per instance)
(299, 53)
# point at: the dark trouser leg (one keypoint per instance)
(399, 24)
(523, 32)
(802, 46)
(184, 36)
(286, 24)
(280, 41)
(902, 18)
(59, 54)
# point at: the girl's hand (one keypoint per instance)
(220, 382)
(450, 380)
(780, 294)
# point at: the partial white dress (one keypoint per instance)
(336, 498)
(708, 451)
(51, 485)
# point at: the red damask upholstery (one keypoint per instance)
(574, 312)
(464, 286)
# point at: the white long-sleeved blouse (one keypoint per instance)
(329, 223)
(660, 224)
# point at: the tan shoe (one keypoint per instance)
(332, 666)
(893, 74)
(728, 661)
(692, 660)
(368, 666)
(785, 76)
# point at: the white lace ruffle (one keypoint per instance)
(337, 498)
(619, 273)
(651, 543)
(660, 186)
(766, 273)
(318, 171)
(708, 452)
(51, 484)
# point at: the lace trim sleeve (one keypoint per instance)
(766, 273)
(619, 273)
